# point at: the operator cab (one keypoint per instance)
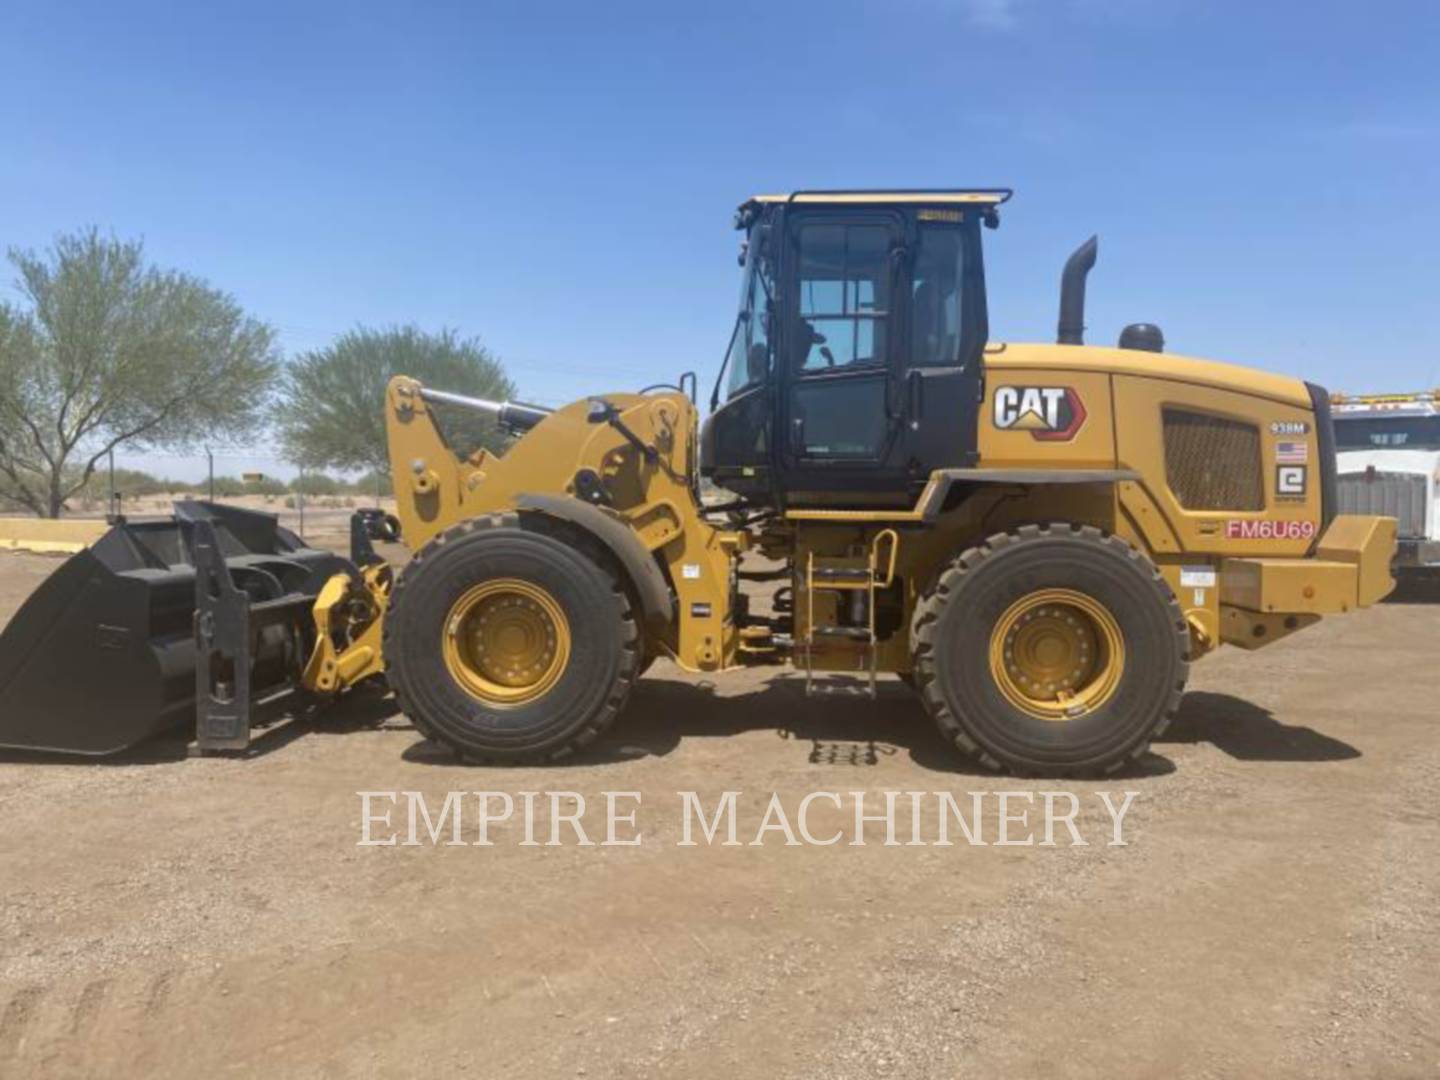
(855, 364)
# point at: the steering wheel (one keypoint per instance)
(817, 338)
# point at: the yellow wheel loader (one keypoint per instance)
(1039, 539)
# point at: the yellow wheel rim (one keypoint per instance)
(1056, 654)
(506, 642)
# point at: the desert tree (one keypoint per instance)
(315, 485)
(332, 404)
(104, 350)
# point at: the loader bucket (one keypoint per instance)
(103, 654)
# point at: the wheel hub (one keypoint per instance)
(1057, 654)
(506, 641)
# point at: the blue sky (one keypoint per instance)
(558, 179)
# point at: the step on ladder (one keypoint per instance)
(841, 575)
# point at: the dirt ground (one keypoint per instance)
(1276, 911)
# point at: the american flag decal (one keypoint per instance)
(1292, 453)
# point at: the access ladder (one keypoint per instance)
(845, 575)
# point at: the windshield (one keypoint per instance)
(1388, 433)
(748, 359)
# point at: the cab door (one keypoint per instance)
(837, 420)
(945, 319)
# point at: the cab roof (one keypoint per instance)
(900, 196)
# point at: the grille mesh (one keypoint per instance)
(1212, 463)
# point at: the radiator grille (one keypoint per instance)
(1212, 463)
(1397, 495)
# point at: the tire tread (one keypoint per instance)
(934, 601)
(587, 546)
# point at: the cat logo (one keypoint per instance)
(1049, 413)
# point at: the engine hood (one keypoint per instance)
(1221, 376)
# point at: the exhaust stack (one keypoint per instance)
(1072, 292)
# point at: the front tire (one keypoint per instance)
(510, 642)
(1053, 650)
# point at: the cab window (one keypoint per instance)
(1388, 433)
(749, 357)
(844, 301)
(936, 307)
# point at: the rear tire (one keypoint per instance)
(1054, 650)
(510, 640)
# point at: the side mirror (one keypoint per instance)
(757, 362)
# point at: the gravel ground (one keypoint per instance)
(1275, 912)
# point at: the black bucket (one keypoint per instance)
(103, 654)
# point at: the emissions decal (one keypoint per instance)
(1049, 413)
(1251, 529)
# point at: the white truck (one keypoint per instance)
(1388, 461)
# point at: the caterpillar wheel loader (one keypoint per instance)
(1040, 539)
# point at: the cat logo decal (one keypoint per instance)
(1049, 413)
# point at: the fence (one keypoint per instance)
(143, 484)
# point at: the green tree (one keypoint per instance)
(374, 484)
(315, 484)
(226, 487)
(106, 350)
(129, 484)
(266, 485)
(332, 408)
